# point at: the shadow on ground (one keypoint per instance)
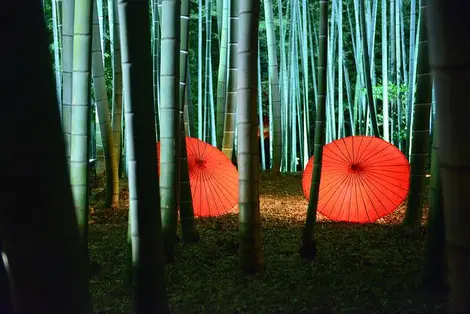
(364, 268)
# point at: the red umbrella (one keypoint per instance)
(212, 176)
(363, 179)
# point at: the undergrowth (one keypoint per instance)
(360, 268)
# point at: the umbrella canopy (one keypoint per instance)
(363, 178)
(212, 176)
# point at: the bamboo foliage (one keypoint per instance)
(349, 95)
(323, 84)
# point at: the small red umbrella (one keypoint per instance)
(363, 178)
(265, 127)
(212, 177)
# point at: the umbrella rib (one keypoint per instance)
(344, 152)
(381, 176)
(353, 192)
(210, 148)
(373, 154)
(208, 187)
(332, 175)
(394, 166)
(351, 182)
(381, 158)
(361, 150)
(223, 189)
(197, 188)
(350, 156)
(401, 197)
(388, 173)
(361, 141)
(342, 179)
(359, 182)
(221, 168)
(331, 157)
(189, 147)
(379, 184)
(341, 192)
(197, 149)
(215, 196)
(325, 185)
(198, 145)
(193, 186)
(350, 187)
(384, 166)
(203, 192)
(365, 182)
(340, 158)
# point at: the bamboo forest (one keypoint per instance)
(235, 156)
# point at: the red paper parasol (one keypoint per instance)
(212, 176)
(265, 127)
(363, 179)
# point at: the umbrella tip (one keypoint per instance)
(355, 167)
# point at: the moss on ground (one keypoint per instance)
(364, 268)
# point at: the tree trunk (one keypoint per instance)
(80, 127)
(251, 256)
(231, 104)
(188, 226)
(222, 74)
(274, 81)
(367, 72)
(144, 197)
(420, 131)
(449, 43)
(434, 268)
(38, 226)
(308, 249)
(104, 118)
(170, 129)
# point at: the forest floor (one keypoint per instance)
(360, 268)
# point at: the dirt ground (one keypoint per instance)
(360, 268)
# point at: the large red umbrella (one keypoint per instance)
(212, 176)
(363, 179)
